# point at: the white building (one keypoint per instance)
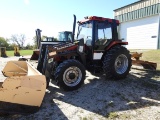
(140, 24)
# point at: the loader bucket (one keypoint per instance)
(35, 55)
(16, 51)
(23, 89)
(3, 52)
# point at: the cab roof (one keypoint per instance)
(96, 18)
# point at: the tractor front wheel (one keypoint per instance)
(70, 75)
(117, 63)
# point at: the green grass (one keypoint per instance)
(150, 55)
(22, 52)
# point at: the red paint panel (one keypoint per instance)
(117, 43)
(72, 47)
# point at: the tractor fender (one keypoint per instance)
(117, 42)
(112, 44)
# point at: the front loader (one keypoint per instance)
(24, 87)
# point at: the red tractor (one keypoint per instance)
(96, 48)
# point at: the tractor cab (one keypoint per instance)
(98, 32)
(99, 35)
(65, 36)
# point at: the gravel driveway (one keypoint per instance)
(137, 97)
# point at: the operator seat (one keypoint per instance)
(100, 44)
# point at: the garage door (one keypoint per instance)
(141, 33)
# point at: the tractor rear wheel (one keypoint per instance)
(117, 63)
(70, 75)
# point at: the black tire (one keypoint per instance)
(47, 82)
(117, 63)
(49, 73)
(47, 78)
(66, 70)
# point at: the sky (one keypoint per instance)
(51, 16)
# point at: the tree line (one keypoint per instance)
(18, 40)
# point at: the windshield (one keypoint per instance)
(69, 36)
(85, 31)
(65, 36)
(104, 31)
(61, 36)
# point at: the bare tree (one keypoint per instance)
(18, 39)
(22, 39)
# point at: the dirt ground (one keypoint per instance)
(137, 97)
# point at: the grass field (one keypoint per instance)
(150, 55)
(22, 52)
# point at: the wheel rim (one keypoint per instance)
(121, 64)
(72, 76)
